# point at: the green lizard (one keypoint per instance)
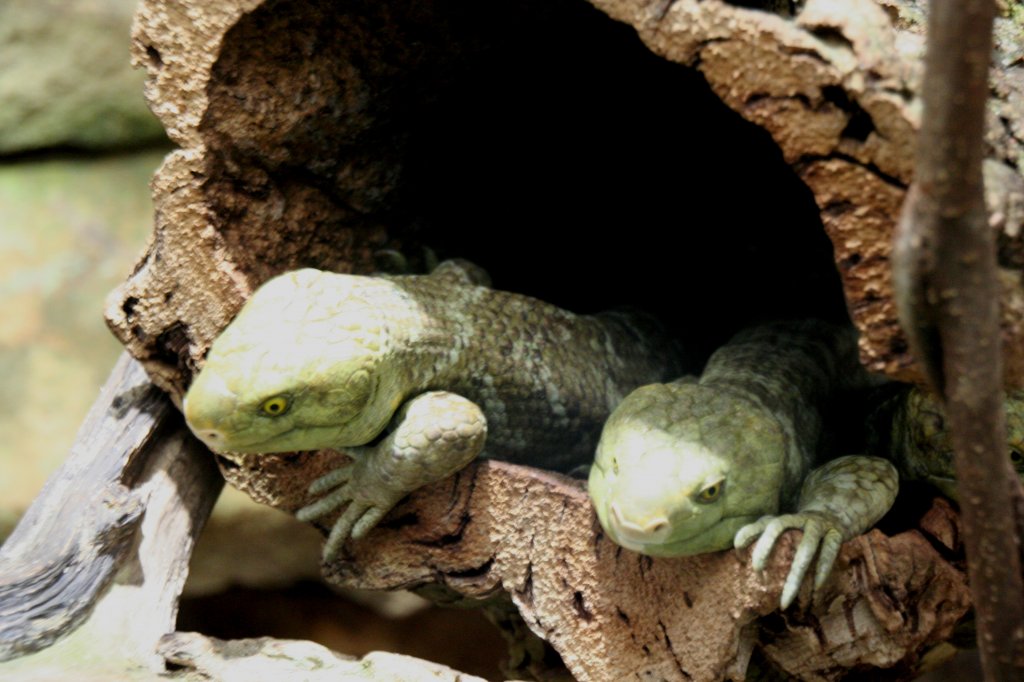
(700, 465)
(909, 427)
(409, 375)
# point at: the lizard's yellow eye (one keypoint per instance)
(711, 493)
(275, 406)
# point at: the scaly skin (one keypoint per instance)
(703, 465)
(911, 428)
(409, 375)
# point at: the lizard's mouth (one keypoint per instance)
(716, 537)
(295, 439)
(224, 444)
(633, 534)
(211, 438)
(945, 484)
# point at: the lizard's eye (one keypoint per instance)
(711, 493)
(275, 407)
(1016, 457)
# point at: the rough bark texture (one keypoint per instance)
(837, 89)
(596, 603)
(294, 125)
(294, 155)
(946, 285)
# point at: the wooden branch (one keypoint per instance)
(945, 273)
(72, 539)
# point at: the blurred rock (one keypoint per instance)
(252, 545)
(69, 228)
(66, 78)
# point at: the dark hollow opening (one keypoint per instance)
(579, 167)
(541, 140)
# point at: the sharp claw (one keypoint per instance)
(368, 521)
(748, 533)
(342, 529)
(789, 592)
(765, 544)
(802, 561)
(830, 547)
(324, 505)
(820, 537)
(331, 479)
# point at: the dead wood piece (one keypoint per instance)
(942, 524)
(614, 614)
(170, 483)
(294, 157)
(270, 659)
(77, 536)
(72, 539)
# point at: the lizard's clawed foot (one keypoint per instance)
(367, 505)
(822, 536)
(838, 500)
(434, 435)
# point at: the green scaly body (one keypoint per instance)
(410, 375)
(702, 465)
(909, 426)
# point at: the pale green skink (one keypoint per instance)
(701, 465)
(414, 376)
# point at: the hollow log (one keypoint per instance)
(778, 148)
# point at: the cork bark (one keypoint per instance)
(295, 126)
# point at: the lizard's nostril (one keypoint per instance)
(637, 529)
(212, 437)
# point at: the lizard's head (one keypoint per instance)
(681, 467)
(298, 369)
(921, 435)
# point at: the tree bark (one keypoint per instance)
(948, 295)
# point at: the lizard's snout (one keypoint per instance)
(650, 529)
(212, 437)
(206, 404)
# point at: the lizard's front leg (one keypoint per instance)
(433, 436)
(838, 501)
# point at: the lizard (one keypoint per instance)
(907, 424)
(705, 464)
(414, 376)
